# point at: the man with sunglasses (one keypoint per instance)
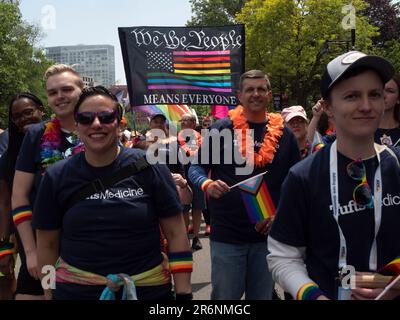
(335, 209)
(44, 144)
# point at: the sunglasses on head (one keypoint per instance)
(362, 194)
(87, 118)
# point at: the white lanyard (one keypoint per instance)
(335, 205)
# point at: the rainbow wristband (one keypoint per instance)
(310, 291)
(180, 262)
(21, 214)
(6, 250)
(205, 185)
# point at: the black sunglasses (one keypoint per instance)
(87, 118)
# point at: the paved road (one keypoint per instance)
(201, 276)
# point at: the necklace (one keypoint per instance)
(51, 144)
(267, 151)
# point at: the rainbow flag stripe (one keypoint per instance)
(259, 205)
(180, 262)
(392, 268)
(172, 112)
(21, 214)
(6, 250)
(310, 291)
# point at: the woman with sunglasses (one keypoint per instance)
(339, 207)
(24, 109)
(388, 132)
(110, 239)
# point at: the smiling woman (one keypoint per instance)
(114, 230)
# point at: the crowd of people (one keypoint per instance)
(79, 193)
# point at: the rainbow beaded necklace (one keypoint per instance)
(51, 143)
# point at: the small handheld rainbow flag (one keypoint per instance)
(392, 268)
(257, 199)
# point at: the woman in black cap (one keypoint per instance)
(339, 208)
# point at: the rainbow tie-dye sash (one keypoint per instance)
(66, 273)
(257, 199)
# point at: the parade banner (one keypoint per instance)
(183, 65)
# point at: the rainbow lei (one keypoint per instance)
(51, 143)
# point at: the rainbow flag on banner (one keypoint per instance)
(257, 199)
(189, 70)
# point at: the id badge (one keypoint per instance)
(343, 294)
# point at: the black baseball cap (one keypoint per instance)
(341, 65)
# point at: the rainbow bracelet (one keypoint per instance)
(205, 184)
(21, 214)
(180, 262)
(6, 250)
(310, 291)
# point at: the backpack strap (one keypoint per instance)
(102, 184)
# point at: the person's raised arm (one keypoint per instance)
(317, 111)
(6, 248)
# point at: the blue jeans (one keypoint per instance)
(238, 269)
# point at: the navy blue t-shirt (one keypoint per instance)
(116, 231)
(229, 219)
(29, 159)
(389, 137)
(305, 216)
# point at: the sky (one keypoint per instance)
(89, 22)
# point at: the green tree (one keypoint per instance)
(21, 64)
(288, 40)
(384, 14)
(214, 12)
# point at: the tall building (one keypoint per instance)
(95, 61)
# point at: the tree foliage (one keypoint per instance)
(21, 64)
(287, 40)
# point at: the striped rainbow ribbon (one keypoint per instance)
(180, 261)
(21, 214)
(310, 291)
(6, 250)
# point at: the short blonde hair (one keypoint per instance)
(60, 68)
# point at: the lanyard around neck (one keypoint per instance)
(334, 182)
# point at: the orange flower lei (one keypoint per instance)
(268, 149)
(182, 142)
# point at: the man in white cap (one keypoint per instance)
(296, 119)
